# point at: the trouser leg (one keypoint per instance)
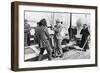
(55, 47)
(49, 53)
(41, 54)
(59, 47)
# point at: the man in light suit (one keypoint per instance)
(58, 38)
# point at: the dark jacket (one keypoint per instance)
(85, 33)
(42, 35)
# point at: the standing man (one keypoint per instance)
(58, 38)
(26, 33)
(85, 35)
(72, 32)
(43, 37)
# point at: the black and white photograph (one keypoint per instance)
(53, 36)
(56, 36)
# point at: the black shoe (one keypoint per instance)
(84, 50)
(61, 55)
(53, 55)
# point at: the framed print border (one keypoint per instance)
(15, 39)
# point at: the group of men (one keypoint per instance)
(42, 37)
(41, 33)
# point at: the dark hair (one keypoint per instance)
(61, 22)
(85, 24)
(42, 22)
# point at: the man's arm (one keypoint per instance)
(81, 31)
(47, 33)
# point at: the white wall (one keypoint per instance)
(5, 31)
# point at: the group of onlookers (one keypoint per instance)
(42, 37)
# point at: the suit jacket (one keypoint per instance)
(43, 36)
(58, 29)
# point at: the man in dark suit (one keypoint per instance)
(43, 37)
(85, 34)
(72, 32)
